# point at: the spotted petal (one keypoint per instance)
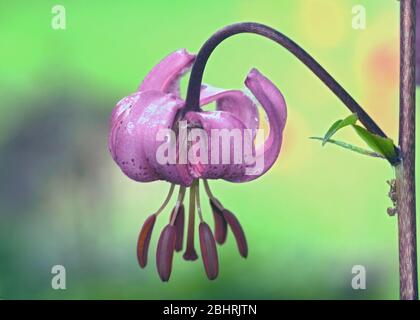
(133, 140)
(121, 110)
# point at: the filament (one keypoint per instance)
(211, 196)
(168, 197)
(181, 194)
(197, 200)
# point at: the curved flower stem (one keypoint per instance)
(405, 172)
(194, 85)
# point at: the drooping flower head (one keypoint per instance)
(153, 138)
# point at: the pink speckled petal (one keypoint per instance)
(274, 105)
(161, 115)
(234, 101)
(215, 168)
(133, 141)
(166, 74)
(121, 110)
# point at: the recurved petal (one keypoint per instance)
(274, 105)
(236, 102)
(166, 74)
(144, 240)
(165, 252)
(208, 251)
(220, 224)
(237, 231)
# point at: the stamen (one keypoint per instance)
(207, 187)
(144, 240)
(165, 252)
(168, 197)
(208, 251)
(146, 231)
(238, 232)
(212, 198)
(197, 200)
(178, 203)
(190, 253)
(220, 224)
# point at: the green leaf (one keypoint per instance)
(351, 147)
(381, 145)
(339, 124)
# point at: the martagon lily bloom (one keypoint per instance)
(134, 126)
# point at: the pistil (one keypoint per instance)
(190, 253)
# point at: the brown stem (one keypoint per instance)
(405, 171)
(192, 102)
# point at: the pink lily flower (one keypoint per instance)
(137, 121)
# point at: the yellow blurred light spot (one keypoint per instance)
(375, 67)
(323, 22)
(294, 153)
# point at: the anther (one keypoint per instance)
(147, 229)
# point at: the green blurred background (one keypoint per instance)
(315, 215)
